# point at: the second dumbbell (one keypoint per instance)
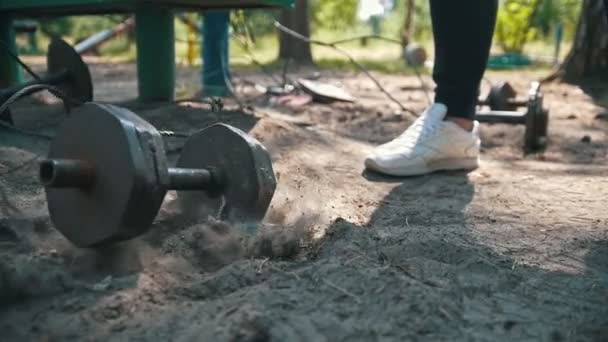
(535, 119)
(65, 70)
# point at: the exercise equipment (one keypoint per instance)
(154, 32)
(106, 175)
(501, 97)
(66, 71)
(324, 92)
(535, 118)
(101, 37)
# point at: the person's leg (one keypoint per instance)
(216, 67)
(445, 136)
(462, 32)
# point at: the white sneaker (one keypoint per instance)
(429, 144)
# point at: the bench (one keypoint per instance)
(155, 33)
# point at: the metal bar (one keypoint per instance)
(518, 102)
(66, 173)
(515, 101)
(501, 117)
(49, 79)
(10, 73)
(190, 179)
(155, 54)
(216, 71)
(103, 36)
(87, 6)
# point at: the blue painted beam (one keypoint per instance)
(215, 52)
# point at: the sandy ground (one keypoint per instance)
(514, 251)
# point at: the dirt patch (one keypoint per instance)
(516, 250)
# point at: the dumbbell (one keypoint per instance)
(502, 97)
(535, 118)
(106, 175)
(65, 70)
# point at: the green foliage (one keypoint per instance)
(521, 21)
(555, 12)
(79, 28)
(60, 26)
(333, 14)
(260, 22)
(514, 24)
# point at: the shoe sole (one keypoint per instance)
(466, 164)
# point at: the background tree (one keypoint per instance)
(297, 19)
(589, 53)
(407, 32)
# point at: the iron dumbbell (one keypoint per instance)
(65, 70)
(107, 174)
(502, 97)
(535, 118)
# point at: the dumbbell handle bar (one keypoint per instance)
(496, 116)
(514, 102)
(73, 173)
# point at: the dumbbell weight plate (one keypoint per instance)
(499, 96)
(544, 125)
(61, 57)
(244, 168)
(129, 182)
(6, 116)
(537, 120)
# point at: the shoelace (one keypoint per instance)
(419, 130)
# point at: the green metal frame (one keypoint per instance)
(44, 7)
(155, 54)
(155, 33)
(10, 73)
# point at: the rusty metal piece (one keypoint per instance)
(242, 178)
(66, 173)
(190, 179)
(324, 92)
(121, 197)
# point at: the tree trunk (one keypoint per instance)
(408, 25)
(589, 53)
(291, 48)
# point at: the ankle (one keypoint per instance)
(466, 124)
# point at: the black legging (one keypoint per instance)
(463, 36)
